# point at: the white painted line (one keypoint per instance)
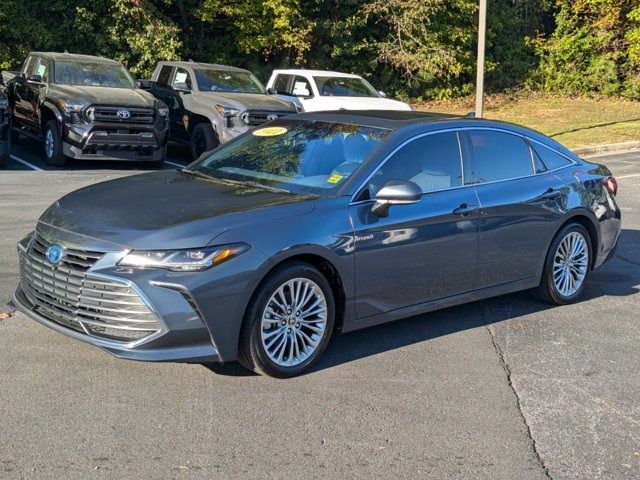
(24, 162)
(176, 164)
(629, 176)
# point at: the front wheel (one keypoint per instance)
(203, 139)
(566, 266)
(288, 323)
(5, 153)
(52, 145)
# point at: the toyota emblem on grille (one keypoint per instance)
(123, 113)
(272, 117)
(54, 254)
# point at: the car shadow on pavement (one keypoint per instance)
(618, 277)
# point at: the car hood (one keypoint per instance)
(250, 101)
(356, 103)
(168, 209)
(121, 97)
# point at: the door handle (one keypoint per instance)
(465, 209)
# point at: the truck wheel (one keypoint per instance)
(53, 145)
(5, 153)
(203, 139)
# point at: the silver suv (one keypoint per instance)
(211, 104)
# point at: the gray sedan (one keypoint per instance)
(313, 225)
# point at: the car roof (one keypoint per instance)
(389, 119)
(208, 66)
(318, 73)
(74, 57)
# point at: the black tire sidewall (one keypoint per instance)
(254, 319)
(57, 159)
(550, 285)
(6, 152)
(209, 137)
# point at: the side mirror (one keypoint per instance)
(395, 192)
(34, 79)
(271, 91)
(145, 84)
(382, 94)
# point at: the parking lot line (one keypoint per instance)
(27, 164)
(629, 176)
(176, 164)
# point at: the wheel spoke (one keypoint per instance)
(290, 339)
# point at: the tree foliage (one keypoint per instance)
(410, 48)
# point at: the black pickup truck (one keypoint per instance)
(87, 108)
(5, 130)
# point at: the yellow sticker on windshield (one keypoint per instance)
(335, 178)
(270, 132)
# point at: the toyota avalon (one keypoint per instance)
(320, 223)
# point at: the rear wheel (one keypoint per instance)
(566, 267)
(203, 139)
(288, 323)
(52, 145)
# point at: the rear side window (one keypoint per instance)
(164, 76)
(496, 156)
(551, 159)
(432, 162)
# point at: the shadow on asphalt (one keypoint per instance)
(618, 277)
(31, 151)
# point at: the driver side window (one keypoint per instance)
(181, 80)
(432, 162)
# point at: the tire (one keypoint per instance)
(203, 139)
(551, 288)
(260, 338)
(52, 145)
(5, 153)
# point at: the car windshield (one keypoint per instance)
(344, 87)
(225, 81)
(93, 74)
(301, 157)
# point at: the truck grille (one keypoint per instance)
(66, 294)
(254, 117)
(101, 113)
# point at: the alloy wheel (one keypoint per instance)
(570, 264)
(48, 143)
(294, 322)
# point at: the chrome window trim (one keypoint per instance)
(571, 160)
(464, 185)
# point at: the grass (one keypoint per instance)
(573, 121)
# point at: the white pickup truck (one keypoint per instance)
(319, 90)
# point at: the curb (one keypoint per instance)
(608, 148)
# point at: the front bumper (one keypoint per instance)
(200, 312)
(122, 141)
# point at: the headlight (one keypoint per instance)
(227, 111)
(163, 111)
(4, 103)
(183, 260)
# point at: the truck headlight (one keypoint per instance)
(227, 111)
(163, 111)
(189, 260)
(73, 111)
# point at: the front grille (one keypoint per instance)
(66, 294)
(101, 113)
(254, 117)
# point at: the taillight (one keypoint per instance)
(611, 184)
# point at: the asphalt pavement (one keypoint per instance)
(507, 388)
